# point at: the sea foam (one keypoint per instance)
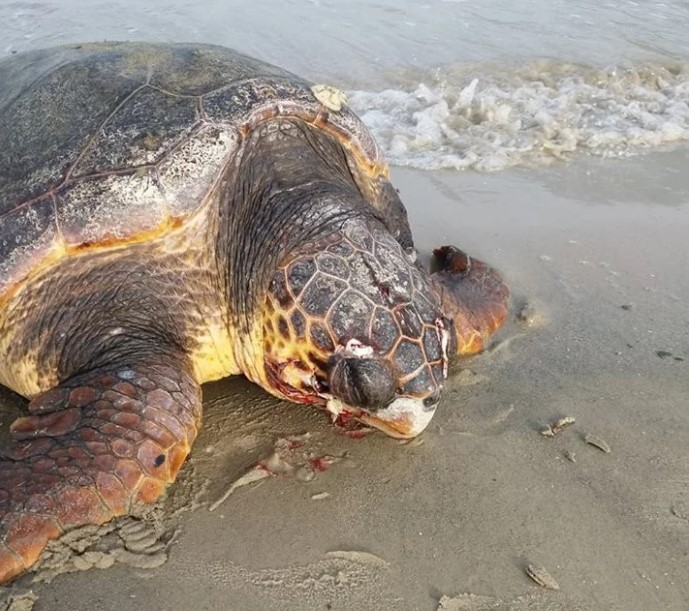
(493, 117)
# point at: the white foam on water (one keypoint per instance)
(494, 117)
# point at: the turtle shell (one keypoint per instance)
(103, 145)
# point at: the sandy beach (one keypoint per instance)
(549, 142)
(596, 253)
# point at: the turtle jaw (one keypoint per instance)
(404, 418)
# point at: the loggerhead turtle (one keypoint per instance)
(174, 214)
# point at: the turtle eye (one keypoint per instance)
(431, 401)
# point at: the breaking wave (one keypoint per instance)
(492, 118)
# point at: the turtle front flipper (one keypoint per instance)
(473, 296)
(92, 448)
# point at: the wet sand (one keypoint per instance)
(599, 251)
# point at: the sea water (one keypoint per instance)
(456, 84)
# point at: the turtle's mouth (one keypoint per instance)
(404, 418)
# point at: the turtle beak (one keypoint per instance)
(404, 418)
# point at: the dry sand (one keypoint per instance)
(599, 250)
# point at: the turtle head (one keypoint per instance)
(369, 387)
(352, 324)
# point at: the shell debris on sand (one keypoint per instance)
(599, 443)
(256, 474)
(541, 576)
(294, 456)
(561, 423)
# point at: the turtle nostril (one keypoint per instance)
(431, 401)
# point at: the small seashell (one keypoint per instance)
(594, 440)
(542, 577)
(556, 427)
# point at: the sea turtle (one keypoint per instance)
(174, 214)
